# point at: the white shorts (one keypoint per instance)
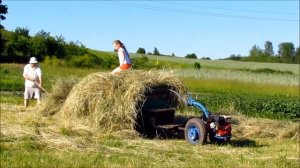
(32, 93)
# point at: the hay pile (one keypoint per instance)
(106, 103)
(109, 103)
(55, 100)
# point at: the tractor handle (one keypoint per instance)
(181, 98)
(191, 102)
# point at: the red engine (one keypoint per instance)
(223, 130)
(219, 128)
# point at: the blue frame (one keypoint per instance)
(193, 102)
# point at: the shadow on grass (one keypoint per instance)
(174, 133)
(178, 133)
(242, 143)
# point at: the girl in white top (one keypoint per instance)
(124, 60)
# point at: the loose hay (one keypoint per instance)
(265, 128)
(54, 100)
(110, 103)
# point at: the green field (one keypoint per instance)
(264, 105)
(225, 64)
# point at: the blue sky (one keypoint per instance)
(214, 29)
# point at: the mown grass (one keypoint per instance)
(112, 152)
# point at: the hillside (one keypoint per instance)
(225, 64)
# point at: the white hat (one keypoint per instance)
(33, 60)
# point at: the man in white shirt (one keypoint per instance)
(33, 81)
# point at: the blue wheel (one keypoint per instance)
(195, 132)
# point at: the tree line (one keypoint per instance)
(286, 54)
(19, 46)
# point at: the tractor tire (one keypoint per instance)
(195, 131)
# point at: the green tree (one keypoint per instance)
(19, 31)
(75, 48)
(3, 11)
(205, 58)
(21, 42)
(268, 48)
(56, 46)
(286, 52)
(141, 51)
(38, 44)
(156, 52)
(60, 48)
(255, 52)
(192, 56)
(234, 57)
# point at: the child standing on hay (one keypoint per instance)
(124, 60)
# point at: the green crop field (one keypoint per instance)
(264, 105)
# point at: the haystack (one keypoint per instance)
(109, 103)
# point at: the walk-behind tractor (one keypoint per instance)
(216, 128)
(158, 112)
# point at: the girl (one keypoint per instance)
(124, 60)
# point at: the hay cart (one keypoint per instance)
(158, 113)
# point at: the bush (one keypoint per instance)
(103, 61)
(197, 65)
(192, 56)
(141, 63)
(54, 61)
(141, 51)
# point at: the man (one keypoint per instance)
(33, 81)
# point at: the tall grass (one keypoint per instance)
(240, 76)
(238, 87)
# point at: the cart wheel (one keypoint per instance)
(195, 132)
